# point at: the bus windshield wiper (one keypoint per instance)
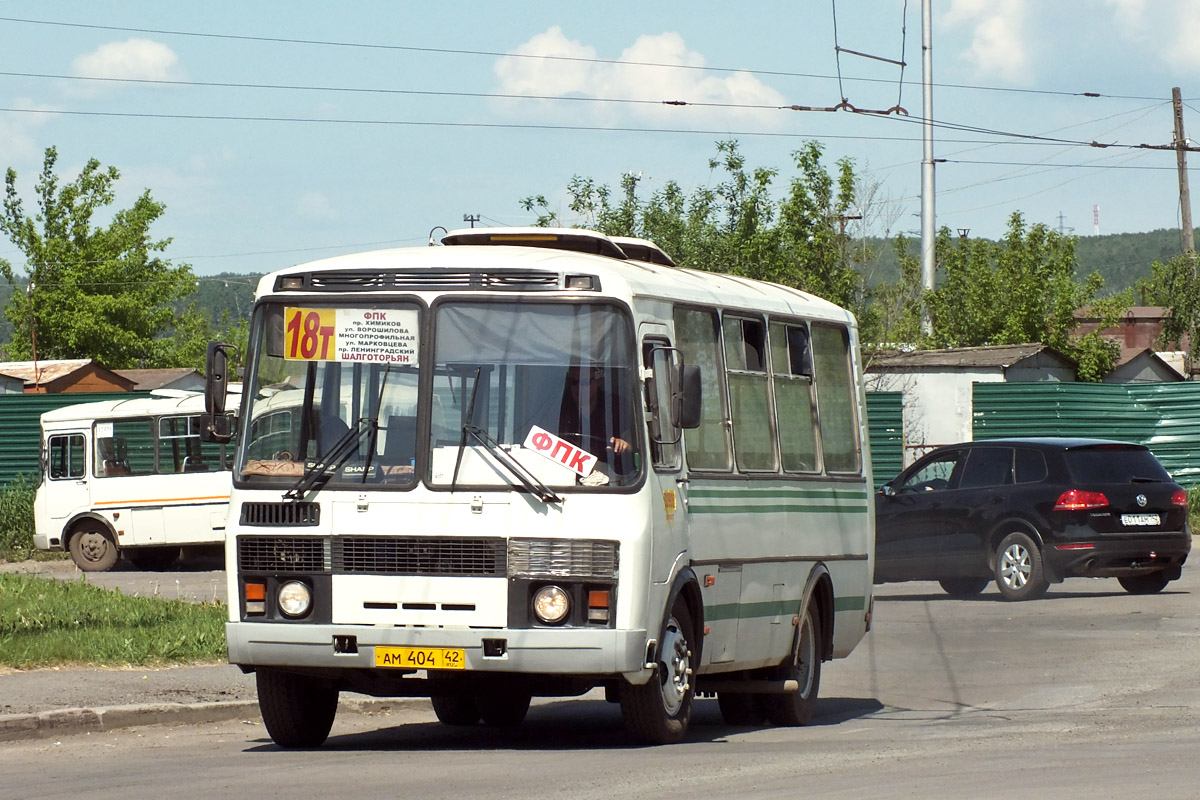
(318, 473)
(530, 481)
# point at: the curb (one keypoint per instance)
(70, 721)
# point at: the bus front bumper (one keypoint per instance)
(545, 651)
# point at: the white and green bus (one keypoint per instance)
(537, 462)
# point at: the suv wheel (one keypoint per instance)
(1150, 583)
(1019, 571)
(964, 587)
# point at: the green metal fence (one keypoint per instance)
(885, 425)
(21, 431)
(1163, 416)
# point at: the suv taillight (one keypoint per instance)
(1079, 500)
(1179, 499)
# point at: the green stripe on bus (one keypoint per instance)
(837, 494)
(774, 608)
(763, 508)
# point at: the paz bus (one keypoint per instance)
(540, 462)
(130, 478)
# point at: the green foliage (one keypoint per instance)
(45, 622)
(736, 226)
(16, 518)
(1175, 284)
(1019, 290)
(95, 292)
(1193, 496)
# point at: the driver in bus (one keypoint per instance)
(592, 419)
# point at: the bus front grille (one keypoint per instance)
(290, 514)
(295, 554)
(420, 555)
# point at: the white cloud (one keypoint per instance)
(997, 38)
(315, 206)
(17, 131)
(132, 59)
(528, 72)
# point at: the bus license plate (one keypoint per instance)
(421, 657)
(1133, 520)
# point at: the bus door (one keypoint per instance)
(67, 489)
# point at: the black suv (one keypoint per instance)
(1030, 512)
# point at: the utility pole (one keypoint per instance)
(928, 224)
(471, 218)
(1185, 200)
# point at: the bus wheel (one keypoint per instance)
(804, 667)
(93, 549)
(298, 710)
(503, 710)
(658, 711)
(153, 558)
(454, 709)
(740, 709)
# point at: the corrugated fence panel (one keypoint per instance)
(1163, 416)
(21, 426)
(885, 424)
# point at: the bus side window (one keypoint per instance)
(791, 374)
(664, 431)
(707, 447)
(66, 456)
(836, 407)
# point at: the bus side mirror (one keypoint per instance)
(687, 397)
(216, 384)
(216, 429)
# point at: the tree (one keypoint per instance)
(1018, 290)
(1174, 284)
(736, 226)
(99, 292)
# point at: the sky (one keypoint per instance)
(278, 133)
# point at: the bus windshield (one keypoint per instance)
(340, 396)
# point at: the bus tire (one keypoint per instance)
(804, 667)
(298, 710)
(455, 709)
(92, 547)
(658, 711)
(153, 559)
(741, 709)
(506, 710)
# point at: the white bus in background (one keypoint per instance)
(535, 462)
(130, 478)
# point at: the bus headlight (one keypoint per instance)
(551, 604)
(295, 599)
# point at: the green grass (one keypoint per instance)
(16, 518)
(47, 622)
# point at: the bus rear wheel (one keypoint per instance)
(658, 711)
(298, 710)
(804, 667)
(93, 549)
(153, 558)
(503, 710)
(455, 709)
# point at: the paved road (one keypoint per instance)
(1089, 692)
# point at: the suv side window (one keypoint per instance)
(987, 467)
(1031, 466)
(934, 476)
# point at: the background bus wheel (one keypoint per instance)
(1019, 571)
(796, 708)
(964, 587)
(740, 709)
(1151, 583)
(658, 711)
(453, 709)
(297, 710)
(503, 710)
(153, 558)
(93, 548)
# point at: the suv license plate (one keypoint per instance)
(1134, 520)
(421, 657)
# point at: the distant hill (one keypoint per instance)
(1122, 259)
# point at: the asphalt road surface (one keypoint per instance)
(1089, 692)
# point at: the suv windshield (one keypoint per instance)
(1114, 464)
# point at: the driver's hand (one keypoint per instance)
(618, 445)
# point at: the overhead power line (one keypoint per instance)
(576, 59)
